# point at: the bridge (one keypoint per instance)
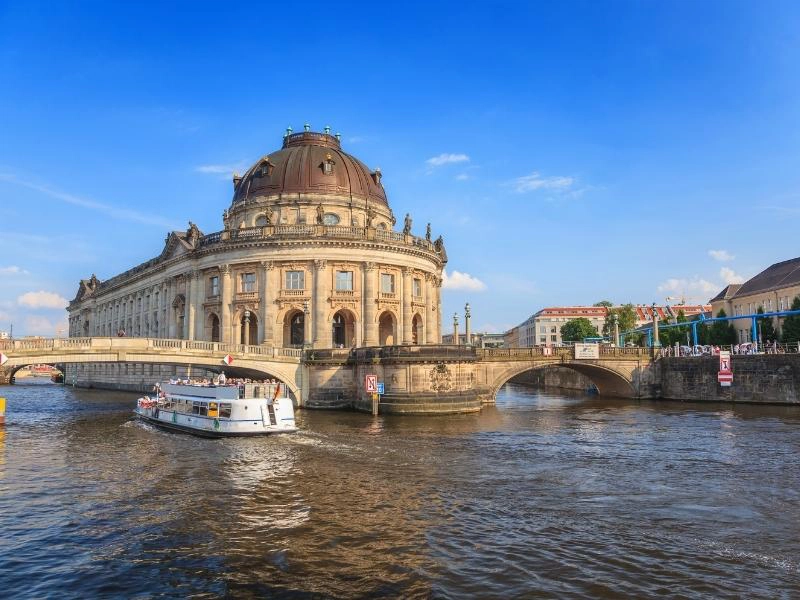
(424, 378)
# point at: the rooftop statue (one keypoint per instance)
(407, 225)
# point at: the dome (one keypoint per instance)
(310, 163)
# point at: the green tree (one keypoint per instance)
(790, 332)
(721, 333)
(766, 327)
(669, 335)
(575, 330)
(606, 303)
(626, 317)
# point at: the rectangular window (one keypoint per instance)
(552, 330)
(344, 281)
(248, 282)
(295, 280)
(417, 289)
(225, 410)
(553, 338)
(543, 329)
(543, 339)
(213, 286)
(387, 283)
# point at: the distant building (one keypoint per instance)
(511, 338)
(4, 335)
(773, 289)
(480, 340)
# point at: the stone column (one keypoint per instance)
(408, 334)
(199, 312)
(171, 332)
(438, 293)
(321, 327)
(370, 306)
(272, 286)
(455, 329)
(188, 322)
(467, 325)
(226, 295)
(262, 298)
(430, 310)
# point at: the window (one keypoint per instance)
(552, 330)
(327, 166)
(330, 219)
(213, 286)
(553, 338)
(344, 281)
(417, 291)
(225, 410)
(543, 339)
(543, 329)
(248, 282)
(387, 283)
(295, 280)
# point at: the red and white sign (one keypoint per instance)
(3, 359)
(371, 384)
(725, 375)
(227, 359)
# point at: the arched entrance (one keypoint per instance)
(249, 328)
(294, 327)
(416, 330)
(387, 329)
(179, 312)
(343, 329)
(212, 328)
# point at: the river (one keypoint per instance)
(543, 495)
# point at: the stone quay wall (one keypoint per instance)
(759, 378)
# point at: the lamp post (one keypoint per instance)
(305, 324)
(246, 328)
(455, 329)
(467, 328)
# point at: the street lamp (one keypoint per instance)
(656, 343)
(615, 327)
(455, 329)
(467, 328)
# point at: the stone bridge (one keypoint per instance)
(418, 379)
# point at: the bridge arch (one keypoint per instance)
(609, 382)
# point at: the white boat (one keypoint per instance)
(219, 411)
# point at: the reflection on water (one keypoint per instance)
(542, 495)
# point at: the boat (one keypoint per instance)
(216, 411)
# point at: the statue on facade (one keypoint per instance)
(320, 214)
(225, 219)
(268, 216)
(370, 215)
(193, 234)
(438, 244)
(407, 225)
(428, 232)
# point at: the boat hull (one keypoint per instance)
(206, 433)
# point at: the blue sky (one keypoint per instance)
(567, 151)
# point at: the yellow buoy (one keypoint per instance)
(2, 411)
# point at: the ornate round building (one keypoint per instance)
(308, 256)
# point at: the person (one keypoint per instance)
(222, 378)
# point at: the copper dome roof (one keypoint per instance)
(310, 163)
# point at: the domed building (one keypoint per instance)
(308, 256)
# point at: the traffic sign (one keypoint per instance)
(3, 359)
(380, 387)
(371, 384)
(227, 359)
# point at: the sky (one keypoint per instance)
(568, 152)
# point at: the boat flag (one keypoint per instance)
(227, 359)
(3, 359)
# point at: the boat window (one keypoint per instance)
(225, 410)
(195, 408)
(203, 409)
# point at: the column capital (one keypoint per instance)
(370, 266)
(408, 271)
(320, 264)
(225, 269)
(269, 265)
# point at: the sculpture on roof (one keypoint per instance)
(320, 214)
(407, 225)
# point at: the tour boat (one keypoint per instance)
(219, 411)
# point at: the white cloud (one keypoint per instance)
(721, 255)
(446, 159)
(463, 177)
(695, 288)
(729, 276)
(42, 299)
(12, 270)
(38, 325)
(534, 182)
(462, 281)
(124, 214)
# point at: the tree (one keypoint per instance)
(575, 330)
(669, 335)
(790, 332)
(606, 303)
(721, 333)
(626, 318)
(766, 328)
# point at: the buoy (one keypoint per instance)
(2, 411)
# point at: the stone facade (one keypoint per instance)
(307, 257)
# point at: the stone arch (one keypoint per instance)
(179, 314)
(343, 328)
(261, 220)
(387, 328)
(248, 332)
(608, 381)
(212, 332)
(417, 332)
(294, 324)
